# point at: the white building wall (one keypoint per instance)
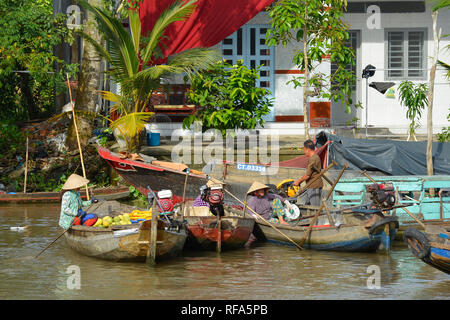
(389, 113)
(382, 111)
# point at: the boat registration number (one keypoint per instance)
(250, 167)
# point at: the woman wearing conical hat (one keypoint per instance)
(268, 205)
(71, 200)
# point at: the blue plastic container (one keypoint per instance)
(153, 139)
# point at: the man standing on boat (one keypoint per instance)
(313, 194)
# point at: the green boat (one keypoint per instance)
(416, 192)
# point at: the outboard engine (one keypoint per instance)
(382, 195)
(165, 199)
(214, 196)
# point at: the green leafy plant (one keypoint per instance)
(444, 136)
(318, 25)
(11, 139)
(414, 98)
(130, 56)
(135, 194)
(228, 98)
(28, 80)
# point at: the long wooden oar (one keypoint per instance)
(26, 170)
(276, 229)
(184, 191)
(74, 220)
(78, 137)
(316, 216)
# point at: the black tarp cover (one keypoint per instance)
(392, 157)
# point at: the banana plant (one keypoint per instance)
(131, 56)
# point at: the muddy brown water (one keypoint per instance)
(264, 271)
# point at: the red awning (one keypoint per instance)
(211, 22)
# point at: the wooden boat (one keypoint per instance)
(127, 242)
(203, 229)
(413, 191)
(431, 246)
(358, 231)
(101, 193)
(157, 176)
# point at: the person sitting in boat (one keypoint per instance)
(201, 200)
(71, 202)
(313, 194)
(268, 205)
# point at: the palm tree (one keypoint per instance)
(130, 58)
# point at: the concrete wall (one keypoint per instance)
(385, 112)
(382, 111)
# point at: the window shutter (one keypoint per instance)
(415, 54)
(395, 54)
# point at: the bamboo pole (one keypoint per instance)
(299, 192)
(219, 233)
(316, 216)
(78, 137)
(151, 253)
(74, 221)
(26, 170)
(184, 191)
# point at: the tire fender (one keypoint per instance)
(417, 242)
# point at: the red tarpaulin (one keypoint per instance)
(211, 22)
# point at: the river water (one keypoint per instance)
(264, 271)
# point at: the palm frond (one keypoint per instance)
(120, 44)
(97, 46)
(121, 103)
(445, 66)
(81, 113)
(135, 28)
(193, 60)
(176, 12)
(132, 124)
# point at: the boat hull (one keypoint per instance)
(431, 247)
(349, 238)
(49, 197)
(203, 232)
(128, 243)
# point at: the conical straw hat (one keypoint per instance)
(75, 181)
(257, 186)
(213, 181)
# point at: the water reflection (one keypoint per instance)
(265, 271)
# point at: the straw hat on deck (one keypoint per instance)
(75, 181)
(257, 186)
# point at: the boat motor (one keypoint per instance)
(214, 196)
(165, 200)
(382, 195)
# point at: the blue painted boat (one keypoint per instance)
(412, 191)
(431, 246)
(351, 232)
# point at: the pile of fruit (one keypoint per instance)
(108, 221)
(138, 215)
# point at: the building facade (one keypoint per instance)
(396, 37)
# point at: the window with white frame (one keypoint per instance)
(405, 54)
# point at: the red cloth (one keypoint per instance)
(211, 22)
